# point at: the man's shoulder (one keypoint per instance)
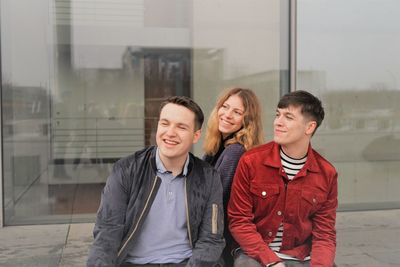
(324, 164)
(138, 155)
(259, 152)
(202, 169)
(200, 163)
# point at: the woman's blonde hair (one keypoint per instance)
(250, 135)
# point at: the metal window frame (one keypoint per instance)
(1, 138)
(288, 46)
(293, 45)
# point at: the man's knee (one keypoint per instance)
(291, 263)
(242, 260)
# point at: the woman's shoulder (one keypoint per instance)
(235, 148)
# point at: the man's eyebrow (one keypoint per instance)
(179, 123)
(286, 112)
(183, 124)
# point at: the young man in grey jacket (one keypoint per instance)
(162, 205)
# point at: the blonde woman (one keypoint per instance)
(234, 126)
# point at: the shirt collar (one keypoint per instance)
(273, 159)
(161, 168)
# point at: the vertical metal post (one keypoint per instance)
(293, 45)
(284, 44)
(1, 151)
(1, 136)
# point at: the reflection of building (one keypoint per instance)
(366, 110)
(82, 88)
(105, 67)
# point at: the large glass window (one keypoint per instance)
(82, 82)
(348, 54)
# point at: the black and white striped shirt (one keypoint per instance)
(291, 166)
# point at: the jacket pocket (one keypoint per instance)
(311, 201)
(265, 198)
(264, 191)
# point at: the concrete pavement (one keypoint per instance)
(369, 238)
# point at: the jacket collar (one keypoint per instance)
(161, 168)
(153, 161)
(273, 159)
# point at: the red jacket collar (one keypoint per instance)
(273, 159)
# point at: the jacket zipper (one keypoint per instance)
(140, 217)
(187, 215)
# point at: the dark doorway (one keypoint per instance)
(167, 72)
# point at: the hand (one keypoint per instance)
(281, 264)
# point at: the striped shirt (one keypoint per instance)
(292, 167)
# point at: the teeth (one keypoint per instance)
(226, 122)
(170, 142)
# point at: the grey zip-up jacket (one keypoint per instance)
(128, 196)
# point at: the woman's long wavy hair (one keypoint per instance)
(251, 133)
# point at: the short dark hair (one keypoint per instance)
(189, 104)
(310, 105)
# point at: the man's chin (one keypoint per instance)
(279, 141)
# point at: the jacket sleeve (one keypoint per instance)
(324, 232)
(210, 243)
(109, 226)
(241, 216)
(227, 168)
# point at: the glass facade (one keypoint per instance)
(349, 54)
(82, 82)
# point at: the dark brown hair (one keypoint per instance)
(187, 103)
(310, 105)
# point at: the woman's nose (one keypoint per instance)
(228, 113)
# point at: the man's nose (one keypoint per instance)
(170, 131)
(278, 120)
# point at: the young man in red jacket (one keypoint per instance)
(282, 209)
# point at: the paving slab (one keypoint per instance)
(37, 245)
(369, 238)
(76, 249)
(363, 239)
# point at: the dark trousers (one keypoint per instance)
(181, 264)
(220, 263)
(242, 260)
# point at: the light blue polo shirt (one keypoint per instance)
(163, 237)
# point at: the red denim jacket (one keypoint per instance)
(262, 198)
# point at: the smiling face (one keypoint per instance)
(176, 133)
(230, 115)
(292, 130)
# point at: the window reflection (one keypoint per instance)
(350, 63)
(83, 82)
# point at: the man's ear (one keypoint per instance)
(197, 135)
(311, 127)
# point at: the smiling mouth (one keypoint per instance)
(170, 142)
(226, 122)
(278, 132)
